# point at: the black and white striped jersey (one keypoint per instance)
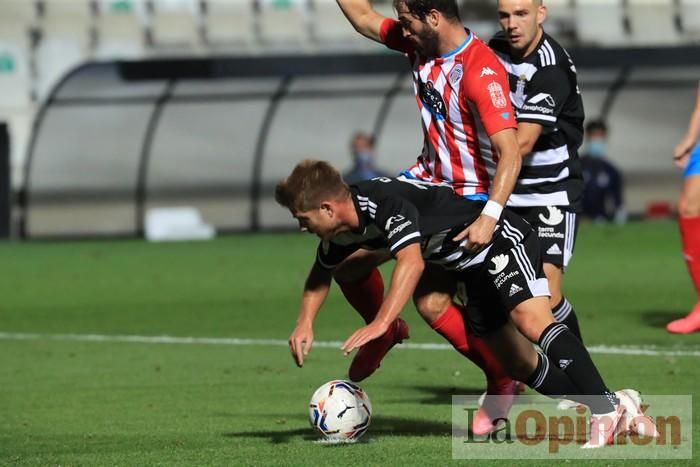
(396, 212)
(544, 90)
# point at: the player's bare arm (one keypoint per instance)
(363, 18)
(407, 272)
(528, 133)
(315, 292)
(479, 233)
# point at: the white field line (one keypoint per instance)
(649, 350)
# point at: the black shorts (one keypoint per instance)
(556, 229)
(505, 279)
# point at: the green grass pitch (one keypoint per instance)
(70, 403)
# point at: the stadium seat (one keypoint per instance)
(652, 22)
(66, 39)
(15, 77)
(284, 24)
(17, 18)
(17, 22)
(71, 20)
(330, 27)
(229, 24)
(600, 22)
(690, 19)
(175, 23)
(122, 27)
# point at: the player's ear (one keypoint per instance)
(327, 208)
(541, 14)
(433, 18)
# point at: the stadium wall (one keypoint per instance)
(115, 139)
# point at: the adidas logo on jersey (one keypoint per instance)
(554, 250)
(514, 288)
(486, 71)
(554, 218)
(563, 363)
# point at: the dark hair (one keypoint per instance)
(597, 124)
(420, 8)
(310, 183)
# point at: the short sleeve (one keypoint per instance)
(486, 86)
(391, 35)
(545, 96)
(398, 219)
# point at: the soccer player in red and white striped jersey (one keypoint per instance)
(461, 97)
(469, 142)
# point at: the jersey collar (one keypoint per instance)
(461, 46)
(354, 192)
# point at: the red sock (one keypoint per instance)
(690, 233)
(365, 295)
(450, 325)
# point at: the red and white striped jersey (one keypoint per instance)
(463, 99)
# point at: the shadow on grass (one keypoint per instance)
(659, 318)
(440, 395)
(381, 426)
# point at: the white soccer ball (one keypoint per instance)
(340, 411)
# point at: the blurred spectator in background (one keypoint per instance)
(363, 156)
(687, 157)
(602, 195)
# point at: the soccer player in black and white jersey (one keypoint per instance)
(506, 290)
(549, 112)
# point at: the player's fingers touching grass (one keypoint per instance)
(362, 336)
(300, 344)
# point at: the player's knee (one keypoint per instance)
(554, 299)
(688, 207)
(532, 321)
(431, 306)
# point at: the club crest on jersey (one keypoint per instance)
(432, 99)
(456, 74)
(519, 95)
(497, 97)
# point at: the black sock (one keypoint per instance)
(569, 354)
(564, 313)
(549, 380)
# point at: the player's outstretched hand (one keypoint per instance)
(363, 335)
(478, 234)
(300, 343)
